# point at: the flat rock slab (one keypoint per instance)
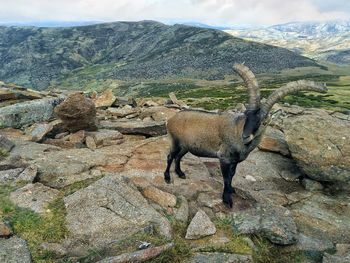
(324, 217)
(14, 250)
(17, 175)
(5, 144)
(220, 258)
(273, 222)
(200, 226)
(35, 197)
(112, 210)
(38, 131)
(160, 197)
(21, 114)
(267, 177)
(138, 256)
(151, 128)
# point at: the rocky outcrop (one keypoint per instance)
(320, 145)
(77, 113)
(26, 113)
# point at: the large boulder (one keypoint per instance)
(21, 114)
(77, 113)
(112, 210)
(320, 145)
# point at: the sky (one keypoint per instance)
(213, 12)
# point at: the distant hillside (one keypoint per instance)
(310, 39)
(340, 57)
(39, 57)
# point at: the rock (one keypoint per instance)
(200, 226)
(14, 250)
(121, 112)
(5, 145)
(104, 135)
(57, 249)
(63, 143)
(26, 113)
(211, 200)
(217, 257)
(159, 113)
(135, 127)
(38, 131)
(138, 256)
(319, 144)
(113, 211)
(323, 217)
(78, 137)
(182, 213)
(61, 135)
(5, 230)
(310, 245)
(267, 177)
(34, 196)
(106, 99)
(175, 100)
(12, 92)
(122, 101)
(273, 222)
(90, 142)
(328, 258)
(160, 197)
(18, 175)
(311, 185)
(77, 113)
(274, 141)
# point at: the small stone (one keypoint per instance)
(38, 131)
(311, 185)
(103, 135)
(5, 230)
(121, 112)
(77, 137)
(160, 197)
(90, 143)
(57, 249)
(14, 250)
(200, 226)
(34, 196)
(61, 135)
(106, 99)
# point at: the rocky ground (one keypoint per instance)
(88, 186)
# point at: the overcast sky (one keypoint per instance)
(214, 12)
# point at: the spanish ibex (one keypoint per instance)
(229, 137)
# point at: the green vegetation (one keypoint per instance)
(35, 229)
(70, 189)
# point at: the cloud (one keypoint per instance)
(207, 11)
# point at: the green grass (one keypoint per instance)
(70, 189)
(35, 229)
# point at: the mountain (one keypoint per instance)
(310, 39)
(39, 57)
(50, 23)
(339, 57)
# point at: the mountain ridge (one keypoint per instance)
(39, 57)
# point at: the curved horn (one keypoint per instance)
(291, 87)
(252, 85)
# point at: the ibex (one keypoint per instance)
(229, 137)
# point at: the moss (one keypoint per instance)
(70, 189)
(32, 227)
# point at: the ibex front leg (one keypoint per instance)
(228, 169)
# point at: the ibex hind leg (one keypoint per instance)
(178, 158)
(174, 150)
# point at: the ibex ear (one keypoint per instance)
(252, 124)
